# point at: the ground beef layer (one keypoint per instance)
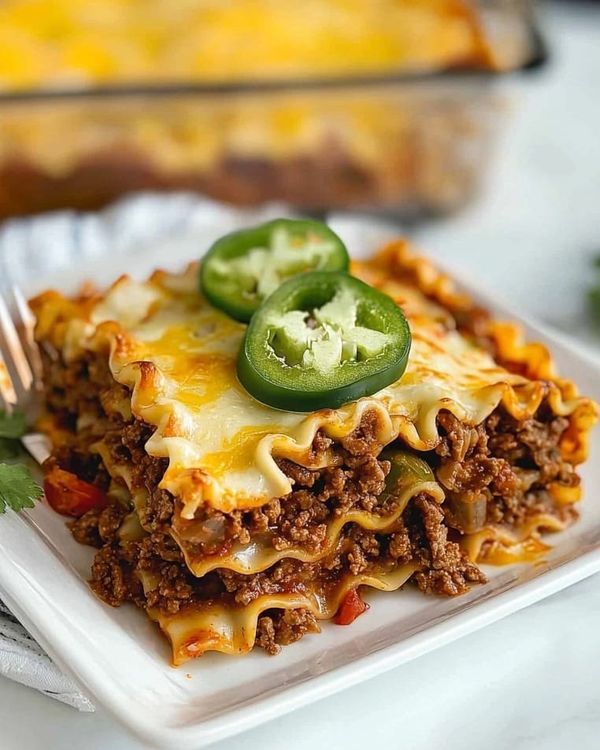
(498, 471)
(420, 536)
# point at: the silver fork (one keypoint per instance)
(19, 353)
(20, 385)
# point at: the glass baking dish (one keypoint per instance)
(409, 143)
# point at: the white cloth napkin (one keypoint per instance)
(41, 247)
(22, 660)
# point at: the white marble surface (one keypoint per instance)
(532, 681)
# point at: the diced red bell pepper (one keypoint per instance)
(71, 496)
(351, 607)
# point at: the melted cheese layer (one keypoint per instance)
(177, 356)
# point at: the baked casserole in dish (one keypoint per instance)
(386, 105)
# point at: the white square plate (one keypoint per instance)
(118, 656)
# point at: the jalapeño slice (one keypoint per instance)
(243, 268)
(321, 340)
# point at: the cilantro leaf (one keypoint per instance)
(18, 489)
(12, 425)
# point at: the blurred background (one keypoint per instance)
(389, 104)
(472, 122)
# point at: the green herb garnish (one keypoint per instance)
(18, 488)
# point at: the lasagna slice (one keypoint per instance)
(234, 524)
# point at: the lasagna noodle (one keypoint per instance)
(414, 478)
(500, 545)
(232, 630)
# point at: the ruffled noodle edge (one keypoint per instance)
(498, 544)
(512, 350)
(232, 630)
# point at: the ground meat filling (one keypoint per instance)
(98, 526)
(423, 538)
(280, 627)
(420, 536)
(298, 519)
(498, 471)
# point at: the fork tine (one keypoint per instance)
(11, 351)
(26, 323)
